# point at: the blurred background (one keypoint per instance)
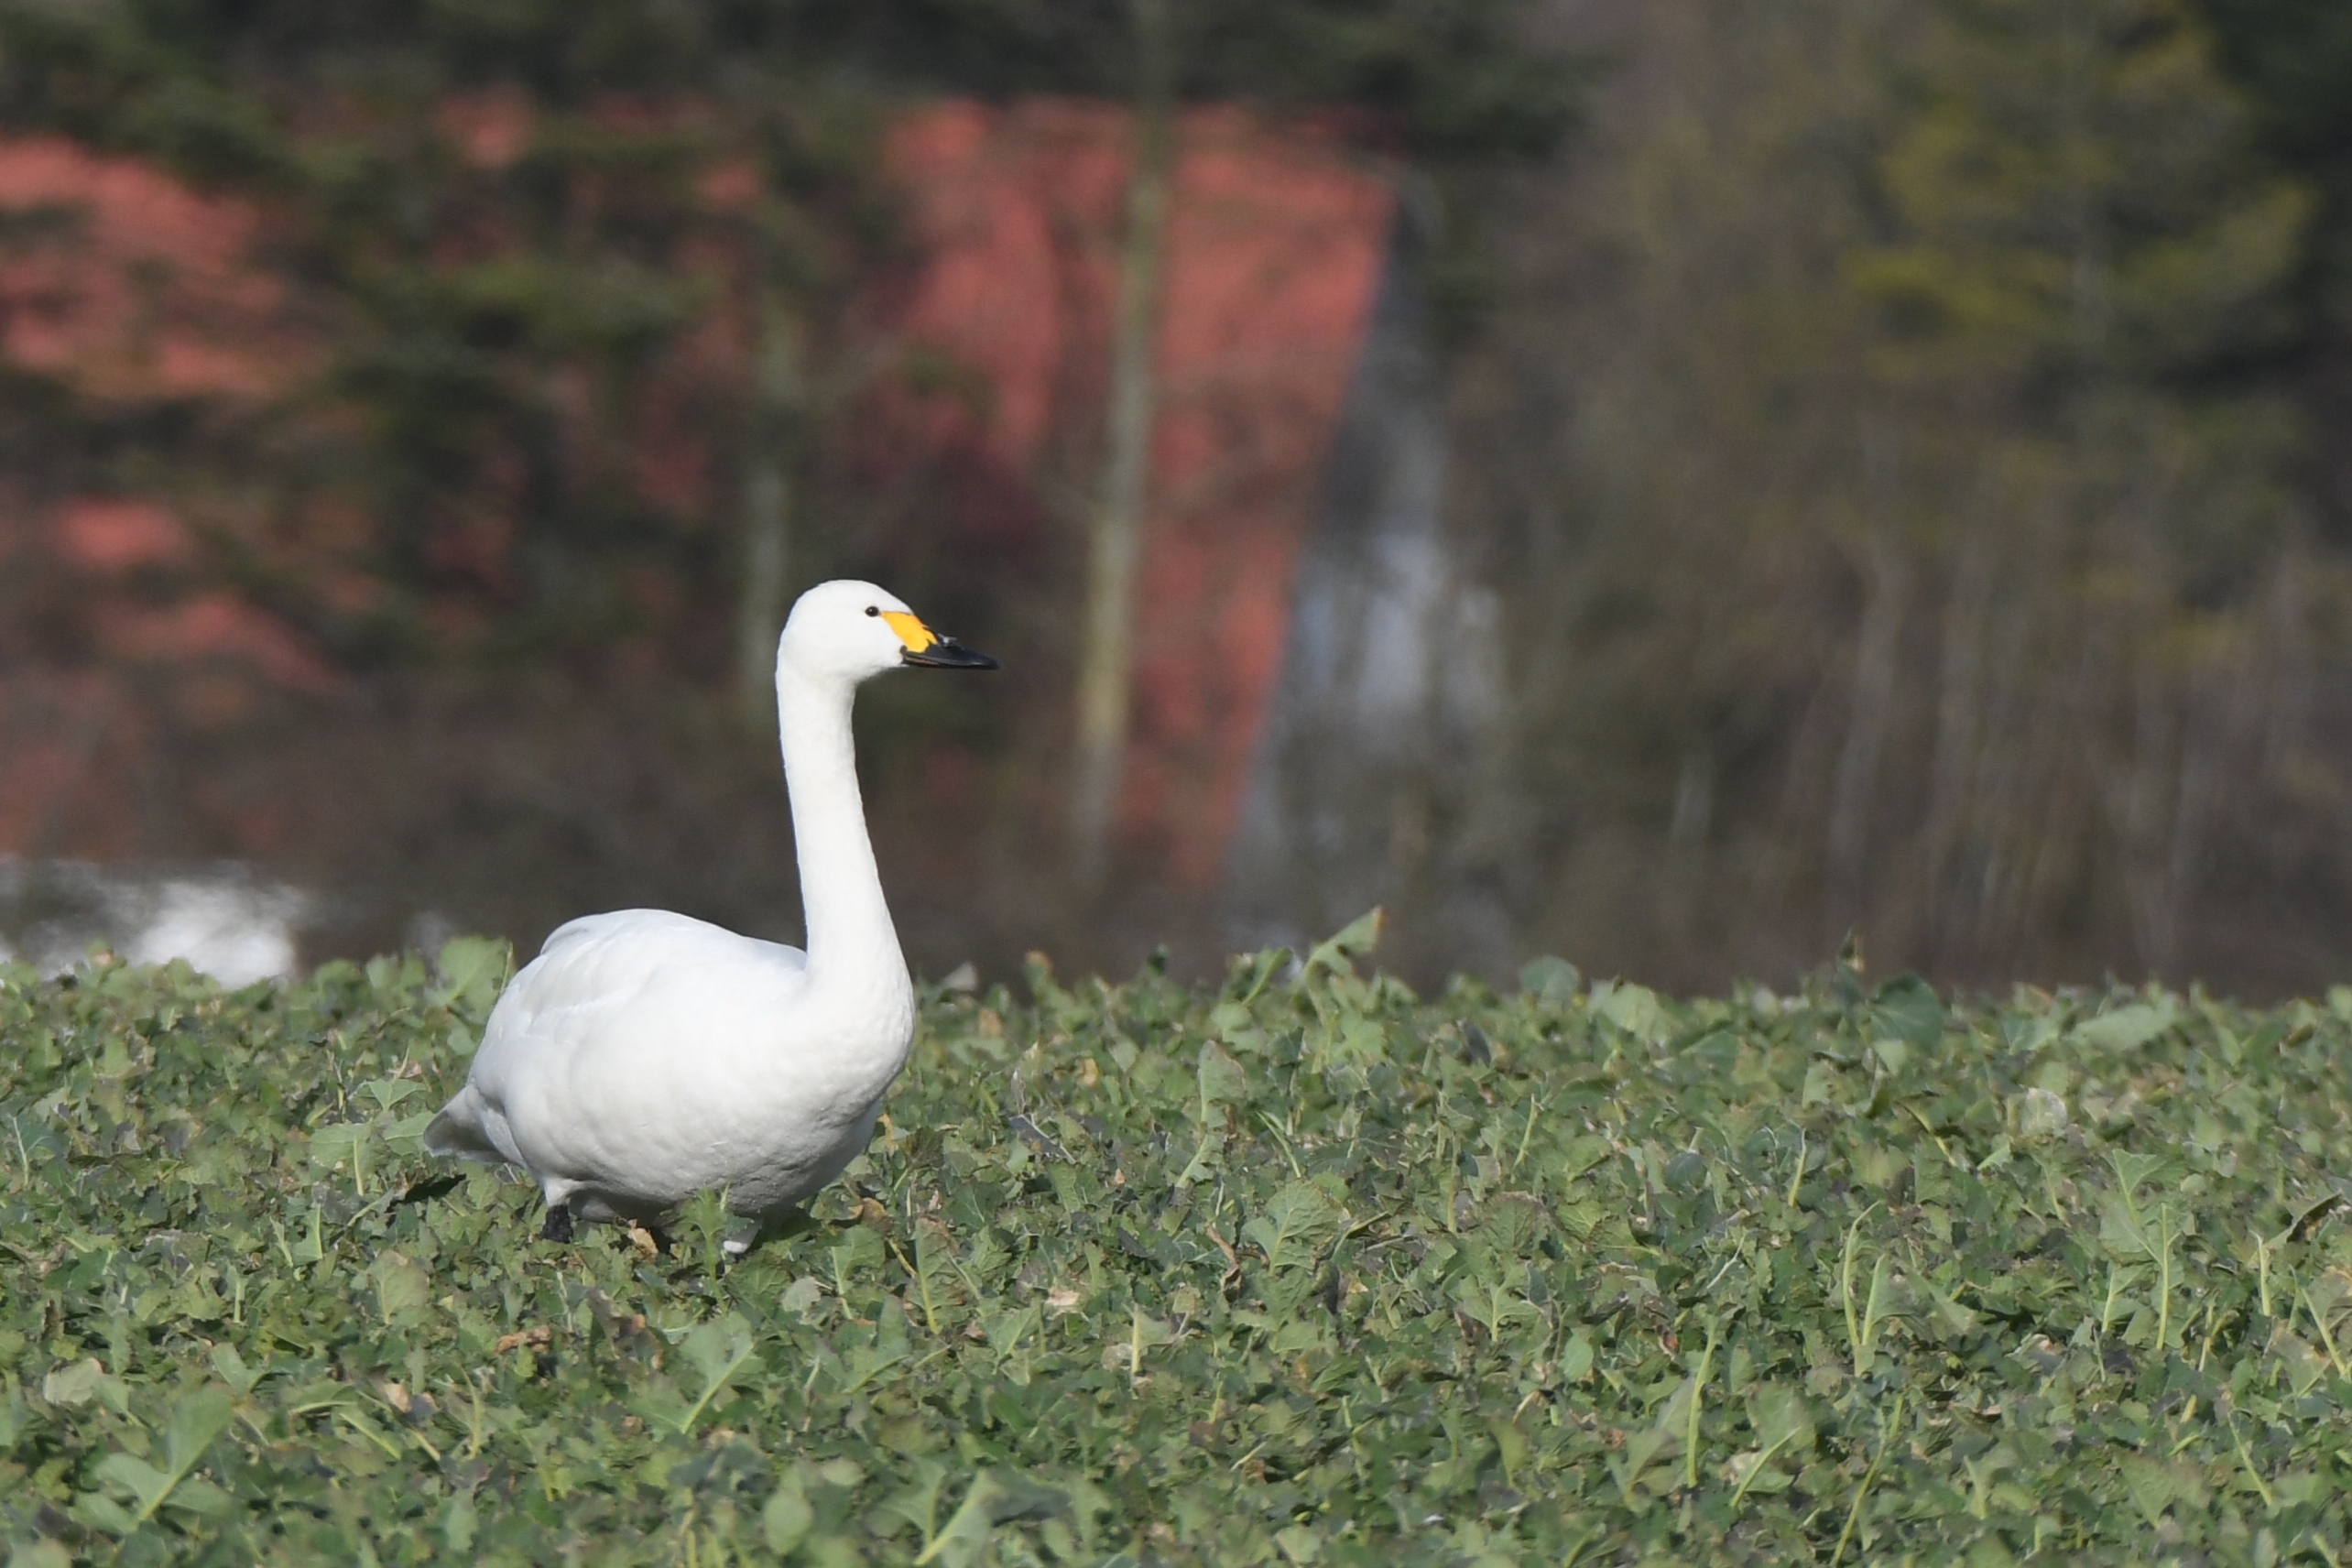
(1663, 481)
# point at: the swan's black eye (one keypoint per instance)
(873, 609)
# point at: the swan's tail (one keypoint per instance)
(459, 1130)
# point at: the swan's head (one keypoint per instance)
(850, 631)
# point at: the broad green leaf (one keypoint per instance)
(407, 1136)
(995, 1498)
(1298, 1221)
(1247, 976)
(2155, 1485)
(2041, 1115)
(1752, 1471)
(1353, 940)
(1631, 1466)
(470, 970)
(458, 1522)
(196, 1420)
(1301, 1545)
(402, 1287)
(2134, 1171)
(918, 1502)
(1907, 1008)
(338, 1143)
(787, 1516)
(195, 1494)
(1779, 1420)
(231, 1368)
(1551, 981)
(856, 1254)
(663, 1406)
(76, 1383)
(2128, 1028)
(389, 1091)
(97, 1508)
(2122, 1231)
(1223, 1080)
(1006, 1330)
(1633, 1009)
(386, 974)
(802, 1297)
(1514, 1225)
(1879, 1167)
(134, 1479)
(2304, 1367)
(716, 1351)
(1582, 1153)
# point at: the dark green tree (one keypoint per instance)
(539, 235)
(2292, 59)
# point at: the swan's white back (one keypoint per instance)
(645, 1056)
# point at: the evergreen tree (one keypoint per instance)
(538, 237)
(1915, 558)
(2293, 61)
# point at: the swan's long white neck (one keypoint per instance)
(853, 957)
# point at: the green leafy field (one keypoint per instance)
(1307, 1270)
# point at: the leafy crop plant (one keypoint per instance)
(1301, 1270)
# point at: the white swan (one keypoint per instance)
(643, 1057)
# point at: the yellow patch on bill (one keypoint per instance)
(910, 629)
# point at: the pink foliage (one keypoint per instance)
(126, 287)
(491, 129)
(106, 534)
(129, 287)
(1277, 235)
(213, 628)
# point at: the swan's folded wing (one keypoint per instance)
(597, 956)
(609, 1066)
(608, 992)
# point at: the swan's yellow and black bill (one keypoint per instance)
(927, 649)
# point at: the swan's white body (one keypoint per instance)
(643, 1056)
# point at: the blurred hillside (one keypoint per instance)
(1665, 483)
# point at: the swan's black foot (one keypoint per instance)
(558, 1223)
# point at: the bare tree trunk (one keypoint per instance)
(1956, 764)
(1106, 658)
(1856, 779)
(767, 508)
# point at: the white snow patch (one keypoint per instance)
(237, 934)
(223, 921)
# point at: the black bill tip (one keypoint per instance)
(948, 654)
